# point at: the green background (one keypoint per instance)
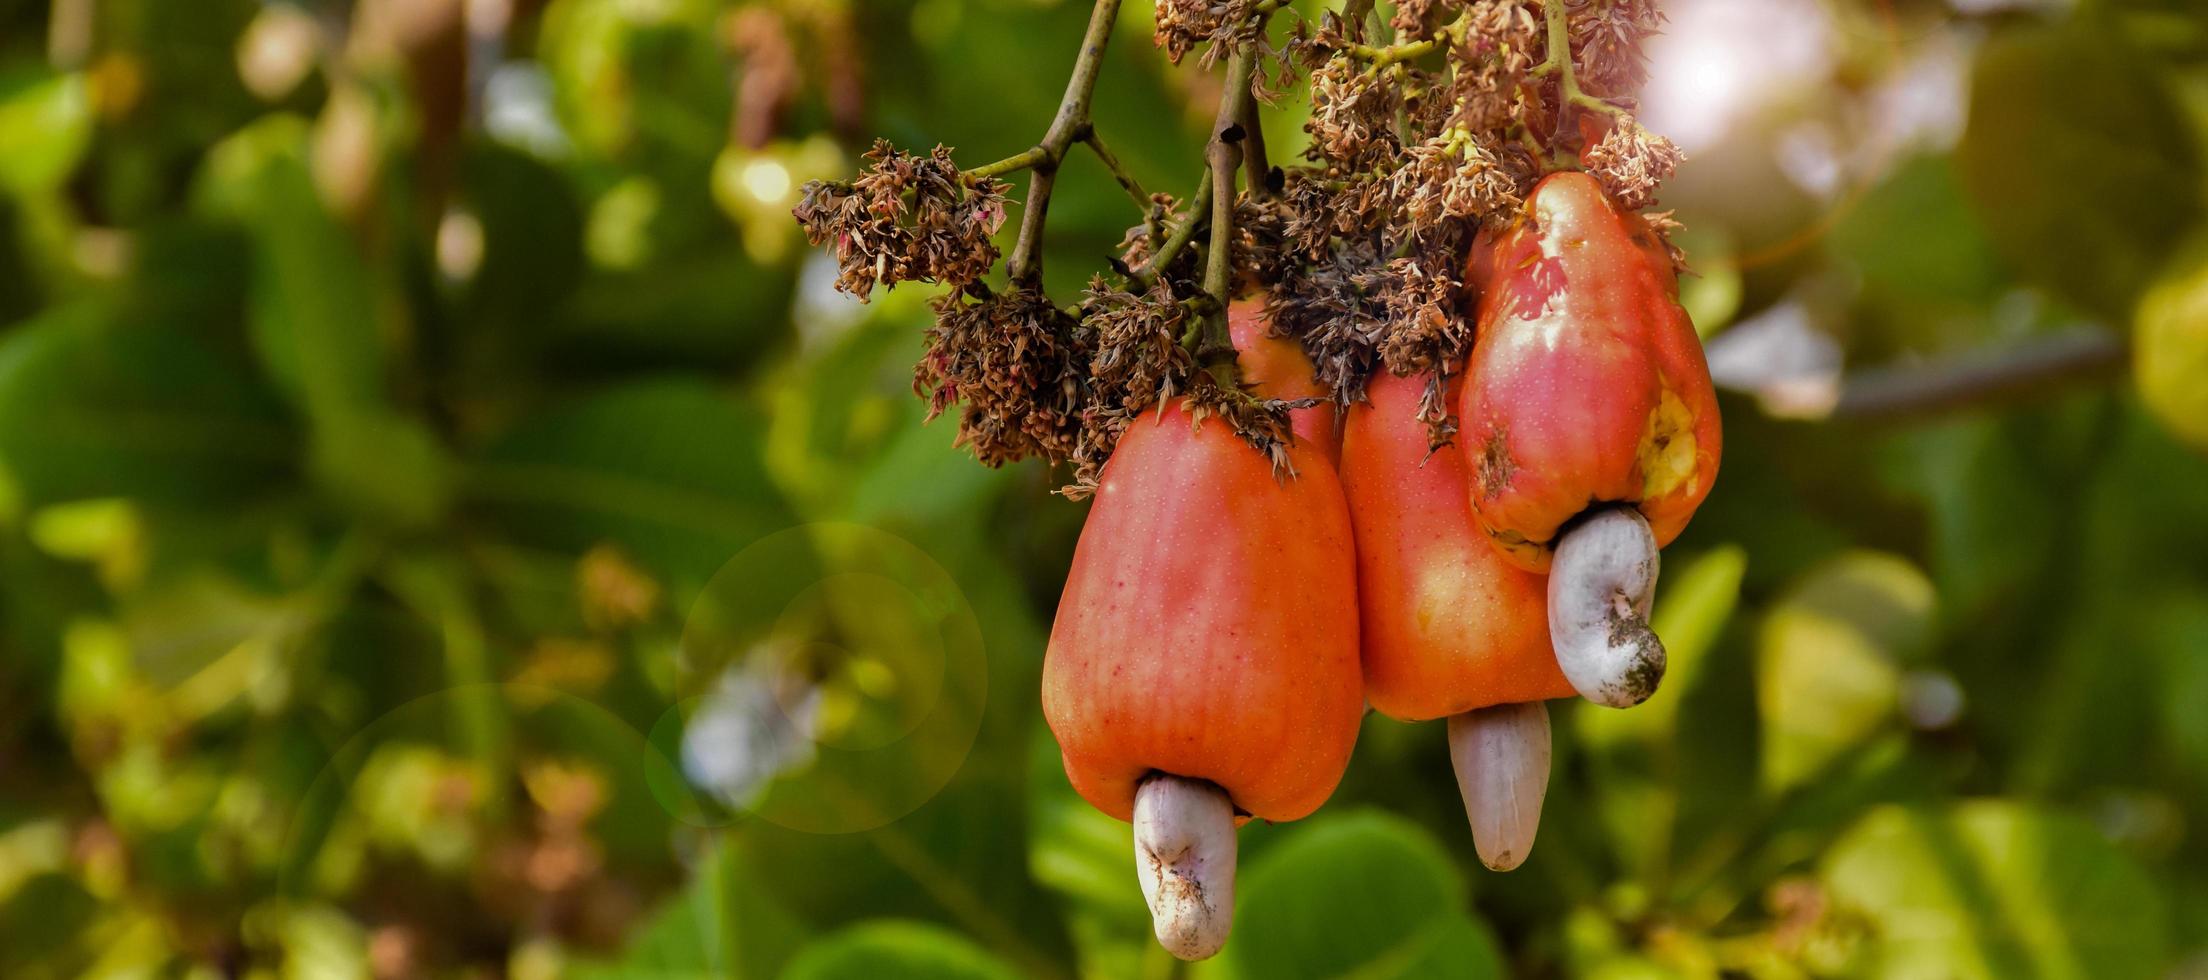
(365, 556)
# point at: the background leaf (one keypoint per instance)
(1995, 889)
(1360, 894)
(2073, 114)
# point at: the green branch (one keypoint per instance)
(1071, 124)
(1120, 173)
(1182, 234)
(1224, 154)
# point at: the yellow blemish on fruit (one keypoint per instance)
(1432, 590)
(1667, 448)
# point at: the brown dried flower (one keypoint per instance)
(1263, 423)
(1453, 179)
(1631, 162)
(906, 217)
(1183, 24)
(1328, 306)
(1018, 364)
(1140, 359)
(1352, 115)
(1492, 61)
(1426, 325)
(1416, 19)
(1607, 38)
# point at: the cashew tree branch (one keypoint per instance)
(2081, 356)
(1120, 173)
(1224, 154)
(1181, 235)
(1069, 126)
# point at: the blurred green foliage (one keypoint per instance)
(397, 426)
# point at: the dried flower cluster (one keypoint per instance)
(1418, 144)
(906, 218)
(1631, 162)
(1430, 121)
(1184, 24)
(1017, 364)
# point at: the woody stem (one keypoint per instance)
(1069, 126)
(1224, 154)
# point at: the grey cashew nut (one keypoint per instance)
(1501, 755)
(1600, 587)
(1184, 855)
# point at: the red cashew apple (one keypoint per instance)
(1449, 626)
(1588, 411)
(1203, 666)
(1274, 366)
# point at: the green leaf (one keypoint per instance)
(1695, 604)
(316, 312)
(2170, 352)
(384, 465)
(313, 307)
(1914, 238)
(2075, 161)
(532, 250)
(1980, 481)
(46, 124)
(92, 409)
(1828, 670)
(2174, 634)
(1995, 888)
(1366, 895)
(41, 921)
(897, 951)
(721, 925)
(668, 469)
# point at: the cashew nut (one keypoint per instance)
(1501, 755)
(1184, 854)
(1600, 587)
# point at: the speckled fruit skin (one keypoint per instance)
(1448, 624)
(1209, 625)
(1587, 382)
(1276, 367)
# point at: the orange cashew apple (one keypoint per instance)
(1450, 628)
(1203, 666)
(1274, 366)
(1589, 412)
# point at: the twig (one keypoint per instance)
(1224, 154)
(1383, 56)
(1070, 124)
(1559, 58)
(1120, 173)
(1011, 164)
(1559, 63)
(1026, 265)
(1254, 161)
(2075, 356)
(1183, 233)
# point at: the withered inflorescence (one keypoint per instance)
(1430, 120)
(907, 217)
